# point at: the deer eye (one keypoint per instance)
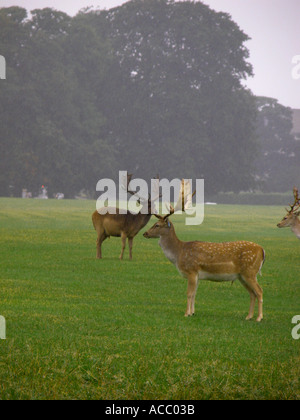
(156, 225)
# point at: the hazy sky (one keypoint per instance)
(273, 25)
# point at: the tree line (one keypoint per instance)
(153, 86)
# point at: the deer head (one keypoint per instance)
(292, 214)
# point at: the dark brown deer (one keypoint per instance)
(121, 225)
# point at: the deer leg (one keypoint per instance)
(100, 239)
(193, 299)
(252, 304)
(252, 298)
(191, 294)
(255, 291)
(123, 238)
(130, 243)
(99, 255)
(259, 294)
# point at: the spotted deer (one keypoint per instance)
(227, 261)
(291, 219)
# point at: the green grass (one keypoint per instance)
(78, 328)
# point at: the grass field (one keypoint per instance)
(79, 328)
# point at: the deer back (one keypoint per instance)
(115, 224)
(228, 258)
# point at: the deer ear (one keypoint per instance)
(168, 223)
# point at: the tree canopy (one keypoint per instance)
(153, 86)
(277, 166)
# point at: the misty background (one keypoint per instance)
(151, 86)
(272, 25)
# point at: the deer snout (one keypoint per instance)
(146, 235)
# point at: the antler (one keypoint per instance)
(155, 190)
(126, 182)
(184, 200)
(125, 186)
(294, 207)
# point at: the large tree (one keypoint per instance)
(51, 125)
(151, 86)
(181, 109)
(278, 162)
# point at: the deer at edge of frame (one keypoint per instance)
(291, 219)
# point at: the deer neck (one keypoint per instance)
(296, 228)
(142, 219)
(171, 245)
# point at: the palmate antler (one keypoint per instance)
(125, 185)
(295, 207)
(184, 201)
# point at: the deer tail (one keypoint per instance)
(263, 261)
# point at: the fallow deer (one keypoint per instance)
(125, 225)
(291, 219)
(227, 261)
